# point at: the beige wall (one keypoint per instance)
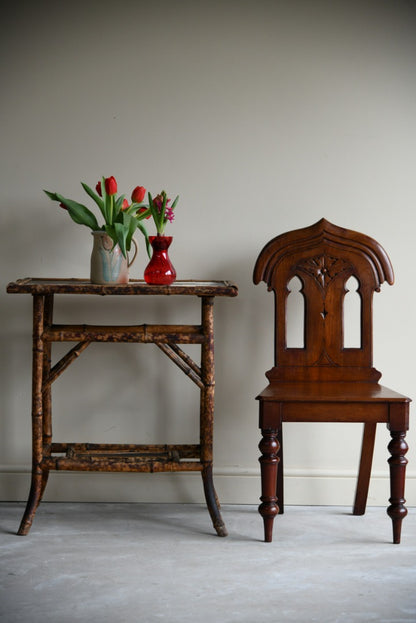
(263, 116)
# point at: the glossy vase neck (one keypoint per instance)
(160, 243)
(160, 270)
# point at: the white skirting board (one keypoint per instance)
(233, 486)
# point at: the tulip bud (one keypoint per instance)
(138, 194)
(98, 189)
(125, 204)
(110, 185)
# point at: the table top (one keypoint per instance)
(31, 285)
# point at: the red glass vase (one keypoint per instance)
(160, 270)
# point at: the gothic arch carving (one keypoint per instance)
(324, 233)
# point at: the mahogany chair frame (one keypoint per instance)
(325, 381)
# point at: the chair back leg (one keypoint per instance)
(280, 492)
(364, 473)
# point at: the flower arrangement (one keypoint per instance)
(160, 210)
(121, 218)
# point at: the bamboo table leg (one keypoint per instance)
(38, 481)
(207, 415)
(46, 390)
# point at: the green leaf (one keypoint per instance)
(79, 213)
(94, 196)
(121, 234)
(132, 225)
(106, 203)
(118, 204)
(154, 212)
(173, 206)
(146, 237)
(110, 231)
(163, 210)
(51, 195)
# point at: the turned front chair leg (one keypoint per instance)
(397, 510)
(268, 509)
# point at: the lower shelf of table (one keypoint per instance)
(122, 457)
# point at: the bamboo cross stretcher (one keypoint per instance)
(48, 455)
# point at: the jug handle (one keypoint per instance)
(136, 248)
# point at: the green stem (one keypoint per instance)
(111, 208)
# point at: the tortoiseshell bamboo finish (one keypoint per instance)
(48, 455)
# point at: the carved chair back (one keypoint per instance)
(323, 257)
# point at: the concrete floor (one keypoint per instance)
(130, 563)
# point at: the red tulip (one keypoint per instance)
(138, 194)
(98, 189)
(141, 210)
(110, 185)
(125, 204)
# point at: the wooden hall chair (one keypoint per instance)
(324, 380)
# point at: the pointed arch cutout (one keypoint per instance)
(352, 311)
(295, 314)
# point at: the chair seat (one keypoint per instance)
(328, 402)
(330, 391)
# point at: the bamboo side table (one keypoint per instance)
(47, 455)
